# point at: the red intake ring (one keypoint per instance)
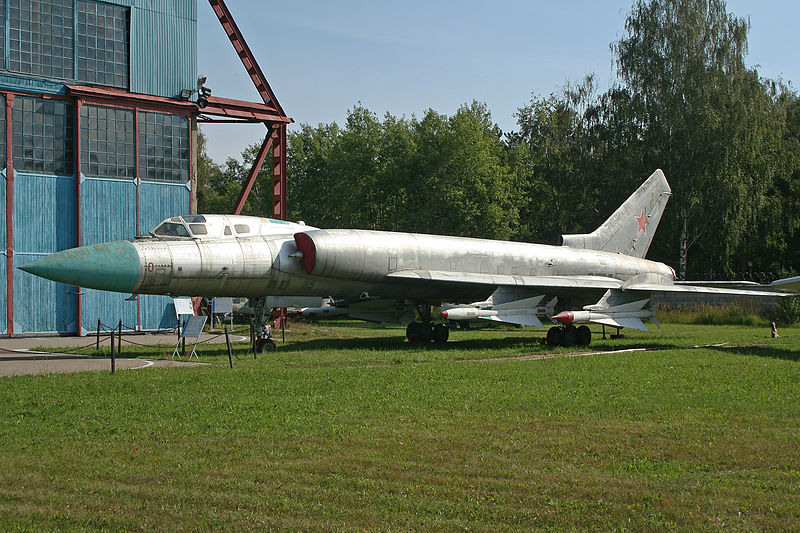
(306, 246)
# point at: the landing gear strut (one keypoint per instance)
(261, 331)
(424, 332)
(569, 335)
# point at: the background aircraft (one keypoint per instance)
(600, 277)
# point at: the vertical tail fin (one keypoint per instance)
(631, 228)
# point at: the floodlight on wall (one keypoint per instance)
(185, 95)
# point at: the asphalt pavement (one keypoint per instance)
(19, 355)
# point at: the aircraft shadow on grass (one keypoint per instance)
(395, 343)
(785, 354)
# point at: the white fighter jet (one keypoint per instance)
(600, 277)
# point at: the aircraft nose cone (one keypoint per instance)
(112, 266)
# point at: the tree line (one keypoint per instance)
(683, 100)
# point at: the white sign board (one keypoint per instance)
(191, 330)
(221, 306)
(183, 306)
(194, 327)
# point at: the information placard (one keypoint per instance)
(191, 330)
(221, 306)
(183, 306)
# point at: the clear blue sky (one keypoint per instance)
(323, 57)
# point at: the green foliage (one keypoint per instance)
(708, 121)
(436, 174)
(684, 101)
(787, 311)
(742, 313)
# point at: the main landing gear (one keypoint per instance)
(569, 335)
(424, 332)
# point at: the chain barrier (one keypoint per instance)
(135, 343)
(73, 349)
(211, 339)
(130, 329)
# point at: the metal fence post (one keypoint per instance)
(228, 344)
(113, 360)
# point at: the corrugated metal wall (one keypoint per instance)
(108, 213)
(43, 222)
(163, 46)
(159, 201)
(163, 61)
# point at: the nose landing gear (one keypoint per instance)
(261, 332)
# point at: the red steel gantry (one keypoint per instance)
(271, 115)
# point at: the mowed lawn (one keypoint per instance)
(348, 427)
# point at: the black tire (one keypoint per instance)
(583, 336)
(554, 336)
(569, 336)
(263, 345)
(414, 332)
(426, 333)
(440, 333)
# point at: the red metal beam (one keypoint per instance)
(251, 178)
(279, 209)
(9, 218)
(271, 114)
(231, 103)
(118, 98)
(245, 54)
(243, 115)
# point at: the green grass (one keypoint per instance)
(347, 427)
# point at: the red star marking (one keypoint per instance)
(642, 220)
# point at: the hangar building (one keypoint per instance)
(98, 126)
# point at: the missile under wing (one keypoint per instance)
(603, 273)
(787, 284)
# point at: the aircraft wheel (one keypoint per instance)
(569, 336)
(440, 333)
(554, 336)
(583, 336)
(426, 333)
(419, 333)
(265, 345)
(414, 332)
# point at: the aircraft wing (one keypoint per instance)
(557, 284)
(506, 280)
(759, 290)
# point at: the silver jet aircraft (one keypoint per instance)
(600, 277)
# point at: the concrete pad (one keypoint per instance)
(18, 355)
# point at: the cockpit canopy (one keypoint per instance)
(223, 226)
